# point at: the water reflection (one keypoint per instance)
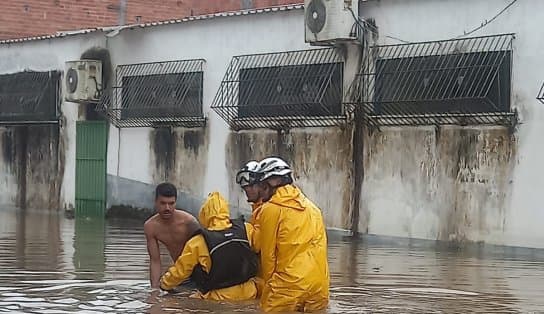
(37, 240)
(89, 242)
(54, 265)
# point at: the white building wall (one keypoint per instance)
(411, 187)
(505, 209)
(48, 55)
(198, 173)
(216, 41)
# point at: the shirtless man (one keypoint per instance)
(169, 226)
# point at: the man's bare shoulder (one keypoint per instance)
(186, 221)
(150, 224)
(183, 215)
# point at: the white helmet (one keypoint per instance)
(273, 166)
(249, 174)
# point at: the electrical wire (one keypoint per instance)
(358, 20)
(487, 22)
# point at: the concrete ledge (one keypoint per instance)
(129, 212)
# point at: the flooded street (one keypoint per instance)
(51, 264)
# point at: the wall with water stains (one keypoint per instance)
(459, 183)
(37, 163)
(320, 159)
(31, 162)
(196, 160)
(446, 183)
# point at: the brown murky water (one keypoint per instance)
(51, 264)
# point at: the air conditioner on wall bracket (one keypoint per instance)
(83, 81)
(330, 21)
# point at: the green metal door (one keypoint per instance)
(91, 145)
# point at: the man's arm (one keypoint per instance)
(154, 256)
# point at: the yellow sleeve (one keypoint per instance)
(183, 267)
(251, 232)
(269, 218)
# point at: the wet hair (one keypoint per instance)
(284, 180)
(166, 189)
(287, 179)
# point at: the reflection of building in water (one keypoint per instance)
(38, 239)
(89, 243)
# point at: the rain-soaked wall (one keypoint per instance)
(37, 163)
(446, 183)
(460, 183)
(31, 160)
(320, 159)
(200, 160)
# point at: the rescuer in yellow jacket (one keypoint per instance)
(293, 244)
(248, 179)
(218, 259)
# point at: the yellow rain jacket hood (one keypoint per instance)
(293, 248)
(214, 215)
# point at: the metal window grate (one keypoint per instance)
(540, 96)
(158, 94)
(29, 97)
(459, 81)
(282, 90)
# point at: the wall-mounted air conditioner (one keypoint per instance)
(330, 21)
(83, 80)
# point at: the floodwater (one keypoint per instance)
(51, 264)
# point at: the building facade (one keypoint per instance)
(427, 128)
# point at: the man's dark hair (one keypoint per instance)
(166, 189)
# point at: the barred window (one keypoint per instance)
(282, 90)
(290, 90)
(444, 84)
(457, 81)
(156, 94)
(162, 95)
(29, 96)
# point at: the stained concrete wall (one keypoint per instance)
(320, 159)
(447, 183)
(201, 160)
(455, 183)
(39, 161)
(31, 158)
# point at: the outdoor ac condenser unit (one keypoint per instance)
(83, 80)
(329, 21)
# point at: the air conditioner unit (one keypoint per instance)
(83, 80)
(329, 21)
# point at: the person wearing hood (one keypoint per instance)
(293, 244)
(218, 257)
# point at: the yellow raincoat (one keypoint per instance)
(293, 249)
(214, 215)
(254, 220)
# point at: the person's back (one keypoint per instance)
(293, 246)
(218, 259)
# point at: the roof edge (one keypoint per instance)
(116, 29)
